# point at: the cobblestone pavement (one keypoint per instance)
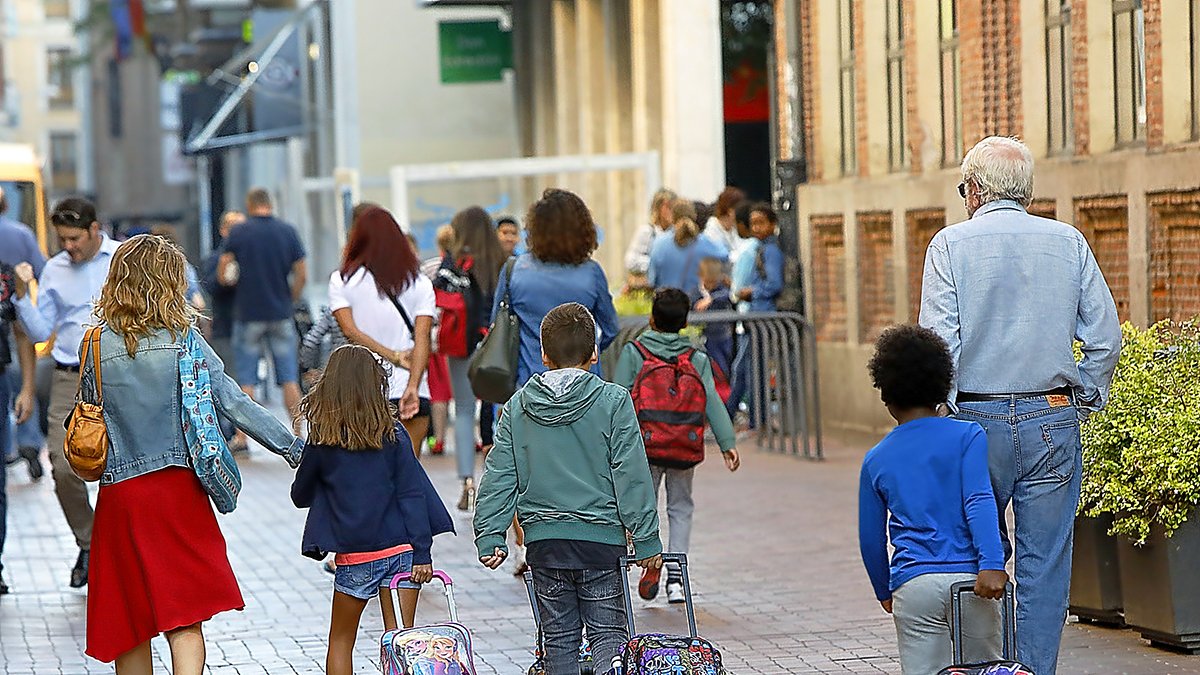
(775, 564)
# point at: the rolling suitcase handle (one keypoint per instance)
(681, 559)
(447, 584)
(1008, 618)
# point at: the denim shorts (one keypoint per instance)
(363, 580)
(277, 339)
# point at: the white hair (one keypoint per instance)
(1000, 168)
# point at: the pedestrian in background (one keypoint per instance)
(509, 233)
(220, 295)
(441, 392)
(19, 245)
(160, 563)
(637, 255)
(382, 302)
(271, 273)
(369, 501)
(715, 297)
(675, 260)
(925, 488)
(15, 347)
(558, 268)
(721, 227)
(1011, 294)
(69, 284)
(766, 284)
(471, 269)
(570, 465)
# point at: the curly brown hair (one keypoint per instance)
(560, 228)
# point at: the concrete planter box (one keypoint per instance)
(1161, 587)
(1095, 579)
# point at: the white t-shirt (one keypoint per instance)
(376, 316)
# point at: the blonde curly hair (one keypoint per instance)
(146, 291)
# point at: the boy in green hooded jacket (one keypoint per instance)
(569, 462)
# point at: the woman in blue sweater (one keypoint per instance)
(926, 487)
(558, 268)
(675, 260)
(369, 501)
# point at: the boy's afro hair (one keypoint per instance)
(911, 367)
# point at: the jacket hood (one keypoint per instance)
(665, 344)
(560, 397)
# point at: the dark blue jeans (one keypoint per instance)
(567, 601)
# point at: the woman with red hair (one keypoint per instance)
(382, 302)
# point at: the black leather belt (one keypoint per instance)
(968, 397)
(65, 368)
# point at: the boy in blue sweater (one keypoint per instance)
(931, 475)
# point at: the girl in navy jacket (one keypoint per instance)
(370, 503)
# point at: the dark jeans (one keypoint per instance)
(740, 381)
(567, 601)
(5, 401)
(487, 424)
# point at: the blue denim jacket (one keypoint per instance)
(1010, 293)
(142, 407)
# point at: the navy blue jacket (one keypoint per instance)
(360, 501)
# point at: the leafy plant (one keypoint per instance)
(1141, 453)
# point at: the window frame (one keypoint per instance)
(1059, 21)
(1132, 11)
(55, 169)
(847, 89)
(60, 95)
(948, 49)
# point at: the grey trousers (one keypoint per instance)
(921, 610)
(679, 508)
(71, 491)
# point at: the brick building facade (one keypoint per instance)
(892, 92)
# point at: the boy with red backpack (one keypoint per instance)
(674, 395)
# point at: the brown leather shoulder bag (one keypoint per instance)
(86, 445)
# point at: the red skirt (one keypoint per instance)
(158, 562)
(439, 379)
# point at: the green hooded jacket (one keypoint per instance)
(666, 345)
(569, 461)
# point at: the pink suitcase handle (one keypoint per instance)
(447, 583)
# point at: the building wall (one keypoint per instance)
(602, 77)
(1136, 198)
(406, 115)
(33, 110)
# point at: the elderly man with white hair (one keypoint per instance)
(1011, 293)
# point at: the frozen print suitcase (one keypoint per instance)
(1008, 614)
(435, 649)
(661, 654)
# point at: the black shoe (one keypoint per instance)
(79, 575)
(3, 586)
(32, 457)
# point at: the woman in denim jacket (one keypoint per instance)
(158, 557)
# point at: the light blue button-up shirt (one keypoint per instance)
(1010, 293)
(66, 292)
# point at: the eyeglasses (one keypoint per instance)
(962, 189)
(65, 218)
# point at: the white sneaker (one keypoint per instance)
(675, 592)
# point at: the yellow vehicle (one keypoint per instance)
(21, 179)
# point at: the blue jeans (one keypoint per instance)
(277, 339)
(567, 601)
(1035, 459)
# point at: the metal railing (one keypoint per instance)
(783, 392)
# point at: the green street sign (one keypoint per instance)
(473, 51)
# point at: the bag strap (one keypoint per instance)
(404, 315)
(91, 346)
(508, 272)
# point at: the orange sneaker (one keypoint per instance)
(648, 586)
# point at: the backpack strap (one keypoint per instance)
(646, 355)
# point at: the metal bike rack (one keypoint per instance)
(783, 389)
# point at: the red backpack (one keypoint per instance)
(669, 398)
(453, 292)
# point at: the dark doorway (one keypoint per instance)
(746, 39)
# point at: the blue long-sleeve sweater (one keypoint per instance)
(926, 485)
(767, 282)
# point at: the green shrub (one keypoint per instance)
(1141, 454)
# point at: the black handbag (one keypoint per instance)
(492, 369)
